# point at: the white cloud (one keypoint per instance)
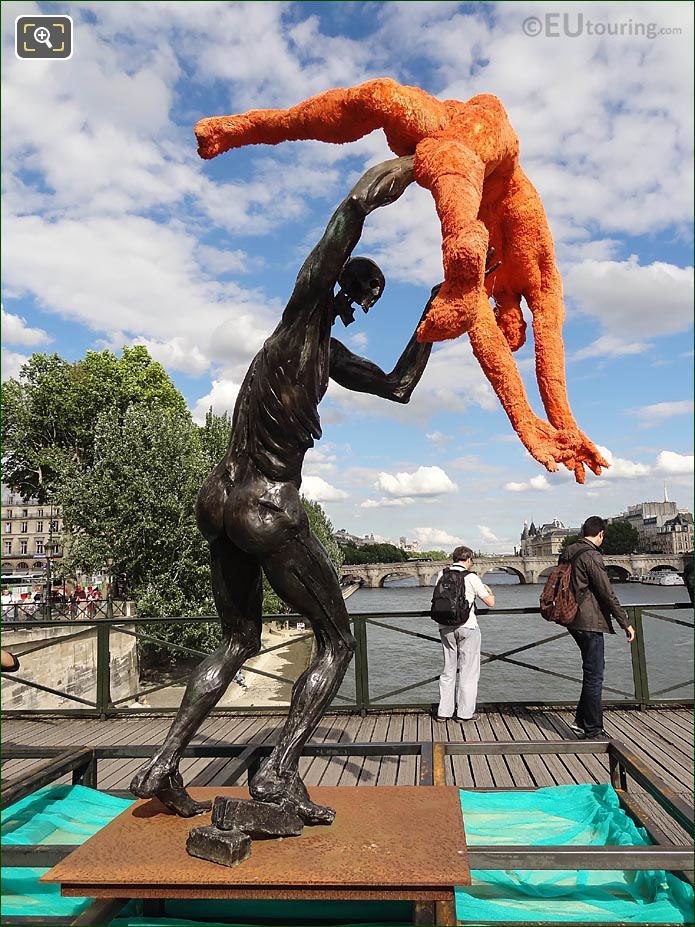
(16, 331)
(12, 363)
(359, 341)
(317, 489)
(385, 502)
(135, 279)
(452, 379)
(471, 463)
(221, 398)
(487, 534)
(631, 302)
(536, 482)
(425, 481)
(321, 458)
(433, 538)
(622, 469)
(611, 346)
(438, 438)
(655, 413)
(668, 462)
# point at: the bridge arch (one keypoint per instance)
(665, 568)
(499, 568)
(396, 574)
(617, 573)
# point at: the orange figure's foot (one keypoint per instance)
(451, 314)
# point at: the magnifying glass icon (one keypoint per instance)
(43, 36)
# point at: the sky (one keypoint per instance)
(116, 233)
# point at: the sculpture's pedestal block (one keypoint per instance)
(258, 819)
(391, 843)
(226, 847)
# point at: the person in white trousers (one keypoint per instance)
(461, 646)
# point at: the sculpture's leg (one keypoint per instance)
(524, 219)
(454, 174)
(490, 347)
(301, 572)
(237, 587)
(407, 114)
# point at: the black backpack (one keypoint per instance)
(449, 603)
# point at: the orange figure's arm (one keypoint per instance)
(406, 114)
(532, 266)
(547, 444)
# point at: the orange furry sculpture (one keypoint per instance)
(466, 154)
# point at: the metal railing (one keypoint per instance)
(23, 613)
(624, 768)
(364, 698)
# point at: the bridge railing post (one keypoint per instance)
(359, 629)
(639, 657)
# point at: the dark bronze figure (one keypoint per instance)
(250, 509)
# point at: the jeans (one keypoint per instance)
(461, 648)
(589, 714)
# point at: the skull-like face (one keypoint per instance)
(361, 281)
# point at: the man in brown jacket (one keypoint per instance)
(596, 603)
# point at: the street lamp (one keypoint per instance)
(48, 549)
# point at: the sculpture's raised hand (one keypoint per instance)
(384, 183)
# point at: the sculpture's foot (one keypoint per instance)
(167, 786)
(287, 789)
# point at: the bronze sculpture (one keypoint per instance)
(250, 509)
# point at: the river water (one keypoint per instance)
(397, 660)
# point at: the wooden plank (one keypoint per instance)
(388, 769)
(480, 768)
(409, 766)
(352, 770)
(501, 776)
(263, 731)
(336, 764)
(536, 767)
(332, 734)
(584, 768)
(666, 730)
(656, 755)
(518, 771)
(370, 769)
(459, 767)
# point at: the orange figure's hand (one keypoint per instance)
(551, 446)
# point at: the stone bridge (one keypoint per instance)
(528, 569)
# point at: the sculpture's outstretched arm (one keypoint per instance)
(364, 376)
(379, 186)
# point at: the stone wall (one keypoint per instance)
(67, 661)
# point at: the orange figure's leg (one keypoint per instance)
(535, 271)
(454, 174)
(544, 442)
(510, 319)
(407, 114)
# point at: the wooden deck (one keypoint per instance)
(662, 738)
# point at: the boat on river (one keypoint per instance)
(663, 578)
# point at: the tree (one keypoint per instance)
(428, 555)
(215, 435)
(374, 553)
(570, 539)
(51, 409)
(620, 538)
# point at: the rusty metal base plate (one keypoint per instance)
(390, 842)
